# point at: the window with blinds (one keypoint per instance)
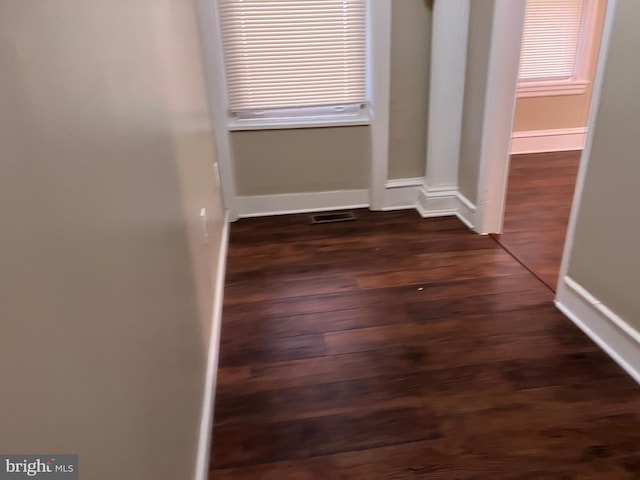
(551, 39)
(292, 57)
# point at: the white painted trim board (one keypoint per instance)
(206, 419)
(466, 210)
(211, 44)
(556, 140)
(267, 205)
(442, 202)
(379, 89)
(499, 110)
(402, 193)
(608, 330)
(446, 90)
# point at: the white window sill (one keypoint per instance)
(364, 118)
(552, 88)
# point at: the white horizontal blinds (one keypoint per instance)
(551, 38)
(294, 53)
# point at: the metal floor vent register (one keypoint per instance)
(333, 217)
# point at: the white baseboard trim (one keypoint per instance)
(438, 201)
(466, 211)
(267, 205)
(611, 332)
(206, 419)
(446, 201)
(402, 193)
(556, 140)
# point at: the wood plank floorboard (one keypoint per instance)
(394, 347)
(539, 199)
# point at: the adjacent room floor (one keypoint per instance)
(539, 202)
(395, 347)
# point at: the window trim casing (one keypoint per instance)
(378, 89)
(579, 83)
(363, 118)
(235, 124)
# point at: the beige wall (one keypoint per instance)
(105, 160)
(323, 159)
(301, 160)
(410, 57)
(604, 257)
(478, 47)
(561, 111)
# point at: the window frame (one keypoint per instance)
(312, 117)
(580, 81)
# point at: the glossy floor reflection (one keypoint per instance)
(537, 212)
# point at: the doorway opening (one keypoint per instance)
(558, 62)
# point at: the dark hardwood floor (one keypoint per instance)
(539, 202)
(394, 347)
